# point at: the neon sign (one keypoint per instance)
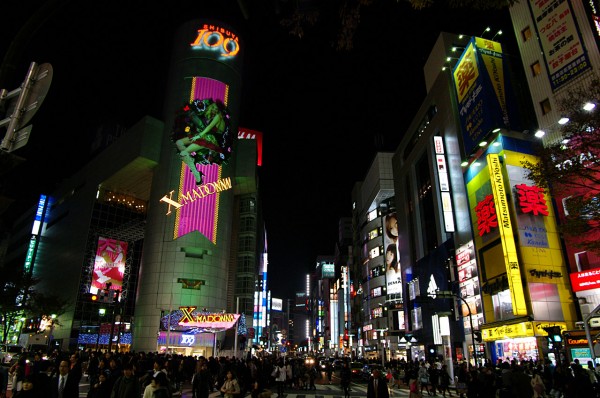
(216, 39)
(531, 199)
(210, 188)
(191, 318)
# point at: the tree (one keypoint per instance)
(304, 14)
(570, 168)
(19, 299)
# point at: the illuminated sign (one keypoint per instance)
(466, 72)
(486, 215)
(563, 50)
(509, 249)
(531, 200)
(538, 327)
(444, 183)
(247, 134)
(277, 304)
(585, 280)
(393, 272)
(328, 271)
(216, 39)
(193, 284)
(523, 329)
(109, 264)
(470, 291)
(200, 192)
(215, 321)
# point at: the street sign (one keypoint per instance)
(22, 104)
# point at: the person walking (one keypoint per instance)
(201, 380)
(230, 387)
(346, 378)
(377, 387)
(445, 381)
(279, 373)
(62, 385)
(126, 386)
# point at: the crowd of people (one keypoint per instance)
(154, 375)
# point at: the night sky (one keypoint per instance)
(324, 113)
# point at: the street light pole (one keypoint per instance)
(444, 294)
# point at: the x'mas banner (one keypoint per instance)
(109, 264)
(200, 211)
(191, 318)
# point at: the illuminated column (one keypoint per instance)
(189, 223)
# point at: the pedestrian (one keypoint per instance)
(445, 381)
(62, 385)
(201, 381)
(279, 373)
(101, 388)
(377, 387)
(230, 387)
(126, 386)
(161, 382)
(346, 377)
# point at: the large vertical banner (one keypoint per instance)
(509, 248)
(564, 52)
(109, 264)
(485, 99)
(207, 146)
(393, 272)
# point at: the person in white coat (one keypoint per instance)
(280, 375)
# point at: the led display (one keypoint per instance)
(393, 273)
(109, 264)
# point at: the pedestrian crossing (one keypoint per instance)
(330, 391)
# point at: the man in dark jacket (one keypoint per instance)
(127, 386)
(377, 387)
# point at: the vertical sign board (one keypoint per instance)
(444, 183)
(565, 55)
(513, 270)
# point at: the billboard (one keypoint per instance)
(203, 139)
(393, 272)
(585, 280)
(109, 264)
(564, 53)
(485, 98)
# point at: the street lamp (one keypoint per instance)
(447, 294)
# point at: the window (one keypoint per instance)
(247, 224)
(373, 234)
(376, 292)
(536, 68)
(245, 264)
(526, 34)
(372, 215)
(545, 105)
(417, 318)
(502, 306)
(247, 243)
(413, 289)
(247, 205)
(375, 252)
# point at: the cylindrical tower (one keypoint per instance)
(187, 240)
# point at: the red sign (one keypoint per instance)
(585, 280)
(531, 200)
(486, 215)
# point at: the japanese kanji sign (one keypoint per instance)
(486, 215)
(531, 200)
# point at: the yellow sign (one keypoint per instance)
(511, 261)
(538, 327)
(523, 329)
(210, 188)
(466, 73)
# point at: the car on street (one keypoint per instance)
(367, 370)
(356, 369)
(9, 354)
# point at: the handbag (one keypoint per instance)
(424, 380)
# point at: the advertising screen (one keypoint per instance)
(202, 138)
(109, 264)
(393, 271)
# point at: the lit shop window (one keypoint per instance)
(372, 215)
(502, 306)
(375, 252)
(526, 34)
(377, 312)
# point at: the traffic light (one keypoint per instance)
(90, 297)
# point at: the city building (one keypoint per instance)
(157, 250)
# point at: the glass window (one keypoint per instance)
(375, 252)
(545, 301)
(536, 68)
(502, 306)
(526, 33)
(247, 224)
(246, 264)
(416, 318)
(376, 292)
(426, 208)
(247, 205)
(372, 215)
(247, 243)
(546, 107)
(373, 234)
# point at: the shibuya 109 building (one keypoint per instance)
(160, 234)
(189, 222)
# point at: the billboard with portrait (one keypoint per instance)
(202, 136)
(393, 275)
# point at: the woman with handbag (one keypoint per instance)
(231, 387)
